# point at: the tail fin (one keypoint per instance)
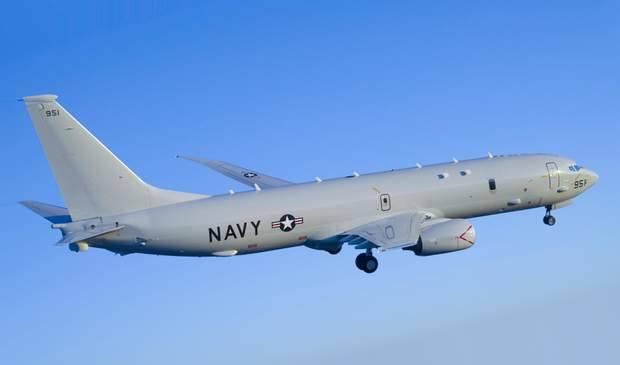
(92, 180)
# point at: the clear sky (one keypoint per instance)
(300, 89)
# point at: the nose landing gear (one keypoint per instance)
(548, 219)
(367, 262)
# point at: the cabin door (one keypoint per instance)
(554, 175)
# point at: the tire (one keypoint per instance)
(360, 261)
(550, 220)
(371, 265)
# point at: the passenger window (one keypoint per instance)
(492, 185)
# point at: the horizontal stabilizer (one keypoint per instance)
(241, 174)
(87, 234)
(52, 213)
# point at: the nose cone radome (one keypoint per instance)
(593, 177)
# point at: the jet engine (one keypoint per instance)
(331, 245)
(78, 246)
(445, 236)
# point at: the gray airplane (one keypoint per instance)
(422, 209)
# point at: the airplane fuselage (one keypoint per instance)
(268, 219)
(423, 209)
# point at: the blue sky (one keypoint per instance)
(300, 90)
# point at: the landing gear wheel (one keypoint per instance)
(371, 265)
(549, 220)
(367, 263)
(360, 260)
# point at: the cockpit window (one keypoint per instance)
(574, 168)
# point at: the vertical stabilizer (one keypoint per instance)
(92, 180)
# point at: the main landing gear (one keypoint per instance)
(367, 262)
(548, 219)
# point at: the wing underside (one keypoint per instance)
(387, 233)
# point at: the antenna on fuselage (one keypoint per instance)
(231, 191)
(490, 155)
(318, 179)
(256, 187)
(418, 165)
(455, 160)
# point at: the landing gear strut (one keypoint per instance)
(548, 219)
(366, 262)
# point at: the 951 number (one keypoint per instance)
(580, 183)
(52, 113)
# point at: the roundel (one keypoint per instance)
(250, 175)
(287, 223)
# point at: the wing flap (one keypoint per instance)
(387, 233)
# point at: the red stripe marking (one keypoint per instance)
(464, 233)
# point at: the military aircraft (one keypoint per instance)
(424, 209)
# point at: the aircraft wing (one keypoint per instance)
(245, 176)
(393, 232)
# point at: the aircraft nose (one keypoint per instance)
(593, 177)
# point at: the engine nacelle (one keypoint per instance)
(331, 245)
(78, 246)
(446, 236)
